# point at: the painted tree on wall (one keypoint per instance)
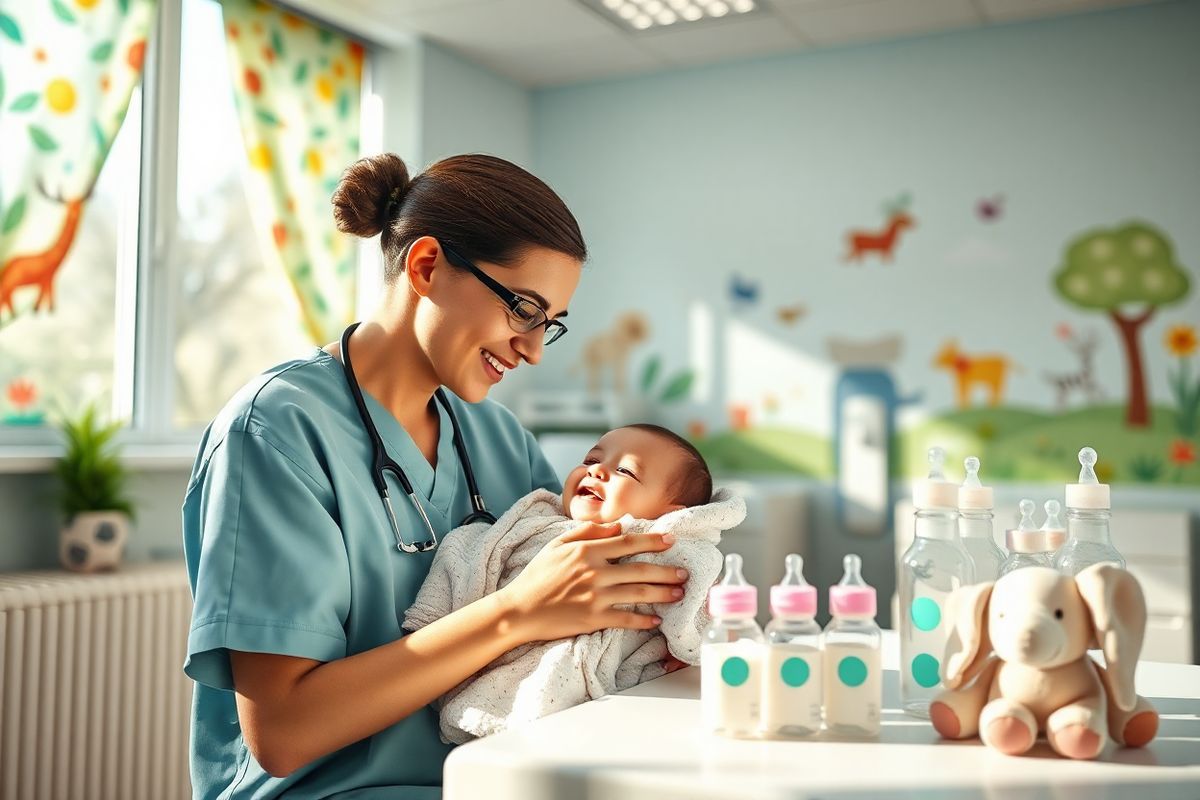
(1127, 273)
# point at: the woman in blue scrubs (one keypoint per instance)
(305, 683)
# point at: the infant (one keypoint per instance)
(643, 475)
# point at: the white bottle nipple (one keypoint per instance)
(936, 457)
(852, 596)
(852, 571)
(1054, 530)
(733, 571)
(973, 494)
(793, 571)
(1089, 492)
(1027, 537)
(793, 596)
(935, 491)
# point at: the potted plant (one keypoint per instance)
(94, 500)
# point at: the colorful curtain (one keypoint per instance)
(67, 70)
(297, 87)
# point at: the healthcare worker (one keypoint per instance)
(304, 544)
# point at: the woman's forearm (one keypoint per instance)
(310, 709)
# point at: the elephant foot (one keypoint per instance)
(944, 720)
(1141, 729)
(1010, 735)
(1078, 741)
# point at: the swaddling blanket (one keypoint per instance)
(540, 678)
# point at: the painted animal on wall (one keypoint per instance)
(988, 370)
(1113, 270)
(608, 351)
(1082, 380)
(862, 242)
(38, 269)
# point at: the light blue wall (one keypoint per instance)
(680, 179)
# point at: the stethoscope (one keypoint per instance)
(382, 463)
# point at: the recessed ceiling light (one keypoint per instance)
(646, 16)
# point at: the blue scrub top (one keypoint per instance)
(289, 551)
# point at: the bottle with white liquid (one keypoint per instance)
(976, 527)
(851, 650)
(933, 566)
(1088, 538)
(791, 685)
(731, 656)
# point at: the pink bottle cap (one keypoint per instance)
(794, 596)
(852, 597)
(733, 597)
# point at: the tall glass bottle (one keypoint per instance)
(976, 525)
(1089, 540)
(933, 566)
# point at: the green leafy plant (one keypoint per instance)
(676, 388)
(1146, 469)
(93, 477)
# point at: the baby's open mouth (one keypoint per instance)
(586, 491)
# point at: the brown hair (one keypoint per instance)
(486, 208)
(693, 484)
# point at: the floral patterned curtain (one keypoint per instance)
(297, 87)
(67, 71)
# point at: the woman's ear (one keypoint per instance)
(1118, 610)
(968, 645)
(420, 262)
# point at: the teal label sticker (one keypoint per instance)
(852, 671)
(735, 671)
(925, 613)
(794, 672)
(925, 670)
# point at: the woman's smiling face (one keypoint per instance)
(629, 471)
(466, 330)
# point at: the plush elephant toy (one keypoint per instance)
(1017, 663)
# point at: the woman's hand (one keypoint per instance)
(570, 586)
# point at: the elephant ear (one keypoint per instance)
(968, 645)
(1118, 610)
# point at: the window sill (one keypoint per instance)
(34, 458)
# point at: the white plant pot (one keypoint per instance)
(95, 540)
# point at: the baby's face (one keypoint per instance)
(629, 471)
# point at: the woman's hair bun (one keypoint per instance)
(369, 190)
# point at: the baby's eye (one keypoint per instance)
(626, 471)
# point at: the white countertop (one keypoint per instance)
(647, 743)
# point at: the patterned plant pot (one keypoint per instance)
(95, 540)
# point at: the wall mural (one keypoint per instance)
(1127, 273)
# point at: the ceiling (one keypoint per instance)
(540, 43)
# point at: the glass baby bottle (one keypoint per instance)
(851, 651)
(1053, 530)
(1088, 539)
(791, 686)
(976, 528)
(731, 657)
(933, 566)
(1026, 543)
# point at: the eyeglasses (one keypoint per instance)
(523, 315)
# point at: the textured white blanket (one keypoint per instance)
(543, 677)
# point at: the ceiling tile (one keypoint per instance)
(1012, 10)
(512, 23)
(760, 34)
(827, 24)
(595, 58)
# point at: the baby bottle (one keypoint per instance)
(730, 656)
(853, 669)
(1026, 543)
(1053, 530)
(975, 525)
(791, 687)
(934, 565)
(1088, 538)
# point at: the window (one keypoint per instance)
(234, 317)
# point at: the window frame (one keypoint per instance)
(143, 349)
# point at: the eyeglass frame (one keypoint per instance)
(511, 299)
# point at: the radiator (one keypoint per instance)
(93, 699)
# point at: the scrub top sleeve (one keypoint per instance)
(272, 573)
(541, 473)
